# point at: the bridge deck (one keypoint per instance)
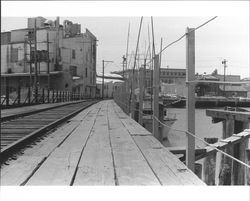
(99, 146)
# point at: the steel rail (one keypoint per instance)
(14, 147)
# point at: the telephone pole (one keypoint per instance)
(35, 61)
(103, 62)
(225, 65)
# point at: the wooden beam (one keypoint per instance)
(190, 65)
(225, 114)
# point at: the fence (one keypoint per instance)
(27, 96)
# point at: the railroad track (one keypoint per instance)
(21, 131)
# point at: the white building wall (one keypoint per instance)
(4, 68)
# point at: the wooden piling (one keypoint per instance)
(225, 175)
(190, 63)
(198, 170)
(209, 164)
(240, 171)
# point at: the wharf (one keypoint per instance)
(99, 146)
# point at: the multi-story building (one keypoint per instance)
(65, 56)
(172, 79)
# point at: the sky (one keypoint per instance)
(226, 37)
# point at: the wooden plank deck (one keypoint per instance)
(99, 146)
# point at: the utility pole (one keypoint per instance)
(35, 60)
(48, 63)
(190, 65)
(103, 62)
(225, 65)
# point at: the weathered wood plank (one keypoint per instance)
(130, 166)
(59, 168)
(96, 164)
(18, 171)
(167, 167)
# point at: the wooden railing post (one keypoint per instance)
(190, 65)
(210, 164)
(238, 169)
(225, 176)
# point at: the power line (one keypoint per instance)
(170, 44)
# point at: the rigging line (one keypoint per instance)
(211, 145)
(161, 51)
(127, 46)
(170, 44)
(195, 136)
(136, 50)
(153, 36)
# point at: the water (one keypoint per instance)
(203, 127)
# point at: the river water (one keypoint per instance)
(203, 127)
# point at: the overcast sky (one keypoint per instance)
(227, 37)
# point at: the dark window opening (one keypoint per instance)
(73, 54)
(73, 70)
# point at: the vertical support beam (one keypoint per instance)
(141, 95)
(156, 132)
(190, 65)
(210, 164)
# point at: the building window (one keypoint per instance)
(14, 55)
(73, 70)
(86, 72)
(73, 54)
